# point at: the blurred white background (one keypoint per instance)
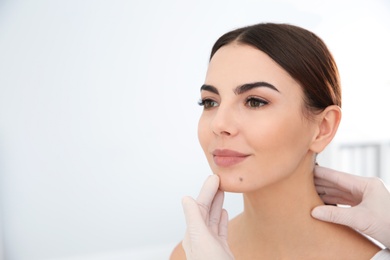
(98, 113)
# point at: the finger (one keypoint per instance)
(330, 200)
(194, 223)
(324, 192)
(223, 225)
(343, 216)
(193, 216)
(215, 212)
(328, 184)
(329, 214)
(345, 181)
(318, 181)
(207, 194)
(208, 190)
(331, 191)
(186, 244)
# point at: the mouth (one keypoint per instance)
(228, 158)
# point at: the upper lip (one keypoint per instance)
(228, 153)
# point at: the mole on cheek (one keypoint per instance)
(241, 179)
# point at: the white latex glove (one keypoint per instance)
(207, 221)
(368, 197)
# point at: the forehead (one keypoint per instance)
(236, 64)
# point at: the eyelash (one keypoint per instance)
(206, 103)
(261, 102)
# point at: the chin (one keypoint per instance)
(236, 182)
(232, 183)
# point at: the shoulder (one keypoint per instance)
(178, 253)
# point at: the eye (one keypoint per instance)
(207, 103)
(253, 102)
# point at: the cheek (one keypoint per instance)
(279, 149)
(203, 133)
(279, 134)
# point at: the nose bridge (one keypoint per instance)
(224, 121)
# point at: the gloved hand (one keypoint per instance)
(368, 197)
(207, 221)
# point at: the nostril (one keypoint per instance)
(223, 123)
(225, 133)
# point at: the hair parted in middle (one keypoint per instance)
(298, 51)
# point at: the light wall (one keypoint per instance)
(98, 113)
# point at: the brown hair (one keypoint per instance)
(298, 51)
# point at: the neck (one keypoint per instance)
(276, 224)
(291, 198)
(281, 212)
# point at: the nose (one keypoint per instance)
(224, 122)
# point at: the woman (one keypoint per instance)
(271, 103)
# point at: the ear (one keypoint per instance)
(327, 125)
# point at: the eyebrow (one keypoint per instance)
(242, 88)
(209, 88)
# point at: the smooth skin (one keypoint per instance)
(269, 126)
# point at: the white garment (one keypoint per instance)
(382, 255)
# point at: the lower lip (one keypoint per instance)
(227, 161)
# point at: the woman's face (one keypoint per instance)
(252, 129)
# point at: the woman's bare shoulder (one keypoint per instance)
(178, 253)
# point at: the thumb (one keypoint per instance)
(343, 216)
(192, 213)
(194, 222)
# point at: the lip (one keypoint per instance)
(228, 158)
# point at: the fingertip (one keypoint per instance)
(319, 171)
(320, 213)
(316, 212)
(212, 181)
(214, 178)
(186, 200)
